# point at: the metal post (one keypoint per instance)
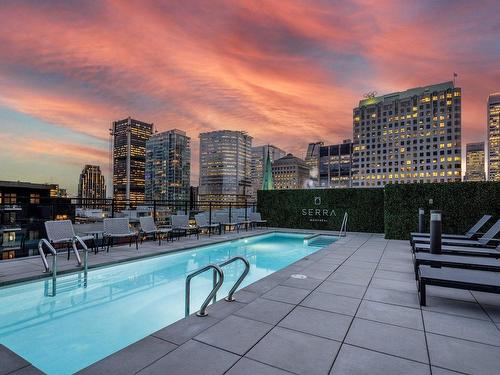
(210, 213)
(213, 286)
(230, 214)
(185, 208)
(54, 274)
(436, 232)
(154, 209)
(421, 220)
(113, 207)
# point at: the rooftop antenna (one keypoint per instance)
(455, 75)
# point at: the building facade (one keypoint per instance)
(225, 166)
(290, 172)
(168, 166)
(129, 158)
(494, 137)
(312, 160)
(335, 165)
(259, 159)
(475, 162)
(91, 185)
(408, 137)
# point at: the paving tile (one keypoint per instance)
(28, 370)
(459, 294)
(262, 286)
(397, 267)
(308, 283)
(393, 275)
(295, 351)
(193, 358)
(265, 310)
(462, 328)
(342, 289)
(317, 322)
(455, 307)
(322, 266)
(463, 356)
(286, 294)
(493, 312)
(245, 296)
(315, 274)
(246, 366)
(185, 329)
(391, 314)
(350, 279)
(392, 296)
(442, 371)
(221, 309)
(402, 342)
(358, 361)
(401, 286)
(487, 298)
(10, 361)
(234, 334)
(331, 303)
(133, 358)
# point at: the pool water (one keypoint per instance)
(124, 303)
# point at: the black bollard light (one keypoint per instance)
(436, 232)
(421, 220)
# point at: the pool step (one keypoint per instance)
(66, 285)
(322, 241)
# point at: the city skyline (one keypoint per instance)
(279, 70)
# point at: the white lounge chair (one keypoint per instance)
(119, 228)
(257, 219)
(148, 227)
(61, 232)
(180, 224)
(203, 222)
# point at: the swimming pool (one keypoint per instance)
(124, 303)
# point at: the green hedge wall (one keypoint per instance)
(393, 209)
(462, 204)
(324, 208)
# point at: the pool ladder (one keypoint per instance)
(218, 280)
(343, 227)
(53, 252)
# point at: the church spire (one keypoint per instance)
(267, 180)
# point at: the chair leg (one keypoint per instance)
(422, 293)
(137, 243)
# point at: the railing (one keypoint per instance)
(45, 242)
(213, 292)
(229, 297)
(343, 227)
(218, 280)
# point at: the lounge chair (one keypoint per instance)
(467, 236)
(460, 250)
(257, 219)
(148, 227)
(483, 281)
(202, 222)
(455, 261)
(61, 232)
(180, 223)
(486, 240)
(118, 228)
(223, 219)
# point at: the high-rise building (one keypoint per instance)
(225, 166)
(335, 165)
(91, 185)
(408, 137)
(312, 160)
(494, 137)
(474, 162)
(259, 158)
(168, 166)
(290, 172)
(129, 158)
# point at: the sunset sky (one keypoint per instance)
(287, 72)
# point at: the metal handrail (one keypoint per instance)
(53, 251)
(85, 257)
(229, 297)
(343, 227)
(218, 284)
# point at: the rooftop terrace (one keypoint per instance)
(355, 312)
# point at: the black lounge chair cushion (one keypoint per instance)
(464, 278)
(458, 261)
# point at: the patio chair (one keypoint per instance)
(180, 223)
(203, 223)
(118, 228)
(256, 219)
(455, 261)
(148, 227)
(460, 250)
(467, 236)
(483, 281)
(61, 232)
(223, 219)
(486, 240)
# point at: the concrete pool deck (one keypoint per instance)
(356, 312)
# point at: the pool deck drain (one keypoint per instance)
(356, 312)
